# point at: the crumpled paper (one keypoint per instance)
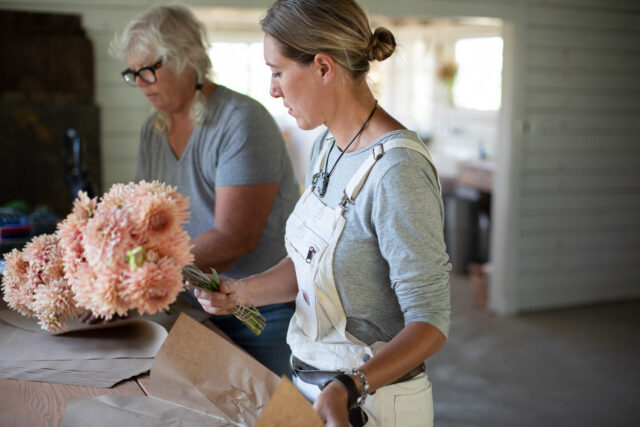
(95, 355)
(200, 378)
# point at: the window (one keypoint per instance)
(240, 66)
(478, 83)
(404, 83)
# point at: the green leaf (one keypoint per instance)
(214, 277)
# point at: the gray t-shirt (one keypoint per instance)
(390, 264)
(238, 143)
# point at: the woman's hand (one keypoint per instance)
(331, 405)
(224, 300)
(276, 285)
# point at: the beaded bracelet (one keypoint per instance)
(364, 385)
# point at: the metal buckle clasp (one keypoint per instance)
(377, 151)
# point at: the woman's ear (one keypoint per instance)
(325, 65)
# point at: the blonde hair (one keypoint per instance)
(178, 39)
(338, 28)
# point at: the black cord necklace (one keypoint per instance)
(324, 175)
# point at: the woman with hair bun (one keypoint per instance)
(366, 261)
(221, 149)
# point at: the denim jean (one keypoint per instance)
(270, 347)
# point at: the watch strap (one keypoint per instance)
(347, 382)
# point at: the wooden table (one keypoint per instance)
(35, 404)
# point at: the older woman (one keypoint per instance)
(367, 262)
(221, 149)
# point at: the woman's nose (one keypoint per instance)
(274, 91)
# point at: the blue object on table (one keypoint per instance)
(14, 224)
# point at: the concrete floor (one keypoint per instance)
(570, 367)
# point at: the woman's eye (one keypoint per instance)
(275, 75)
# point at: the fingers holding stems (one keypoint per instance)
(216, 302)
(219, 296)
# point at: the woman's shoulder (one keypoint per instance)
(232, 100)
(404, 156)
(400, 146)
(237, 110)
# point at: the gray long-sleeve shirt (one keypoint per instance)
(390, 264)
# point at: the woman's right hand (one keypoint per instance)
(222, 301)
(331, 405)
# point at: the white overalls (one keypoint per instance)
(317, 332)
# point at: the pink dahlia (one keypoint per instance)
(34, 283)
(130, 251)
(107, 236)
(152, 286)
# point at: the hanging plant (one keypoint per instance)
(447, 72)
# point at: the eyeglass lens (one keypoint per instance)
(147, 74)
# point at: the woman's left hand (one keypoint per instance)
(331, 405)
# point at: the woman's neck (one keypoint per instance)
(181, 123)
(349, 114)
(182, 117)
(351, 110)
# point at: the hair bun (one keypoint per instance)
(382, 45)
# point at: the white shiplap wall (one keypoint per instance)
(566, 214)
(580, 168)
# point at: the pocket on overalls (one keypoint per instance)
(413, 403)
(305, 248)
(405, 404)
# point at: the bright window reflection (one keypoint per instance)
(240, 66)
(478, 84)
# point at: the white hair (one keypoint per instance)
(176, 37)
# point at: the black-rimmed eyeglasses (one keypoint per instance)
(146, 74)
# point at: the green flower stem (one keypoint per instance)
(250, 316)
(135, 257)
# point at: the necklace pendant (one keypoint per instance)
(322, 185)
(322, 189)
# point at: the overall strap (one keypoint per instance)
(358, 179)
(324, 152)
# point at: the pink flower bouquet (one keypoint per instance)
(34, 284)
(127, 251)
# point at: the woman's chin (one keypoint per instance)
(304, 125)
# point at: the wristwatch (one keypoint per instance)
(347, 382)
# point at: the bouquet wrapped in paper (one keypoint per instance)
(127, 250)
(34, 283)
